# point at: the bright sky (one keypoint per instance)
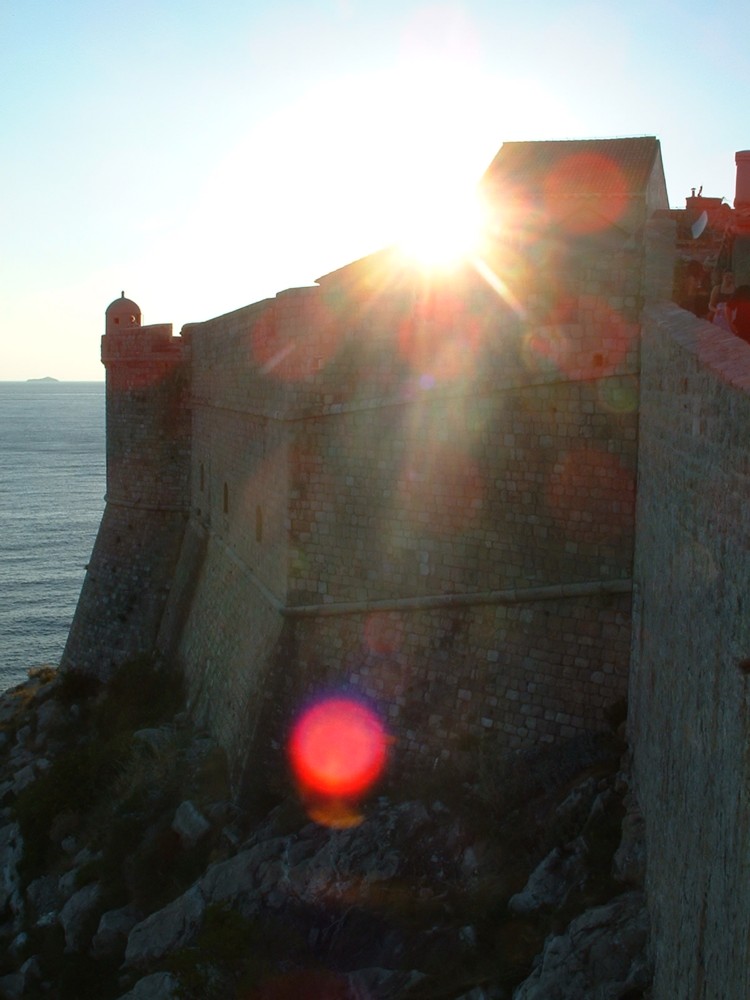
(204, 154)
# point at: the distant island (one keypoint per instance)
(47, 378)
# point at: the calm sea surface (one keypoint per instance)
(52, 485)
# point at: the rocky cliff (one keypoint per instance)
(128, 872)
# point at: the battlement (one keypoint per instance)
(141, 344)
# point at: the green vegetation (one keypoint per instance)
(80, 778)
(114, 793)
(73, 784)
(233, 955)
(76, 976)
(139, 695)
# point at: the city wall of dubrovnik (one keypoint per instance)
(494, 516)
(456, 547)
(689, 718)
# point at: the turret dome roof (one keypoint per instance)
(123, 305)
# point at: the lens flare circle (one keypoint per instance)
(338, 747)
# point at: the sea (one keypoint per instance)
(52, 486)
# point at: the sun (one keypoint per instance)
(442, 228)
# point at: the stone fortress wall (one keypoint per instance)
(689, 718)
(429, 498)
(457, 548)
(447, 462)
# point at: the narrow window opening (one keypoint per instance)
(226, 499)
(258, 524)
(202, 477)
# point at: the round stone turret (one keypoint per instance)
(122, 314)
(148, 497)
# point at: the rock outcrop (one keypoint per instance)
(127, 872)
(601, 955)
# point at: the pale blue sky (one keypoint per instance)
(203, 154)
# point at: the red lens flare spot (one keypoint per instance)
(441, 339)
(288, 351)
(383, 633)
(615, 336)
(591, 496)
(583, 173)
(445, 482)
(312, 984)
(338, 748)
(336, 814)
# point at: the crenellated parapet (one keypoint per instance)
(153, 344)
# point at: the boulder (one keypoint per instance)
(238, 879)
(24, 777)
(11, 852)
(190, 825)
(23, 736)
(68, 882)
(69, 844)
(18, 984)
(113, 930)
(385, 984)
(12, 987)
(572, 811)
(18, 945)
(50, 716)
(9, 706)
(602, 955)
(76, 916)
(43, 895)
(175, 926)
(552, 881)
(157, 986)
(7, 795)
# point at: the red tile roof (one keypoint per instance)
(576, 167)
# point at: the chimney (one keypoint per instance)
(742, 190)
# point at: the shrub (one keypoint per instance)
(73, 783)
(140, 694)
(76, 687)
(230, 950)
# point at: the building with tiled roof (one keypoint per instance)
(574, 181)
